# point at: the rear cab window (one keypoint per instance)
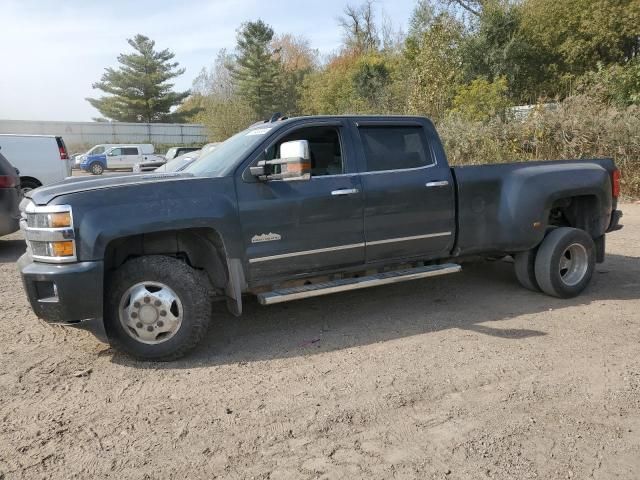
(391, 147)
(130, 151)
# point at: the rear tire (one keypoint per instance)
(565, 262)
(96, 168)
(157, 308)
(525, 268)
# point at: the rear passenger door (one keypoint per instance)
(130, 156)
(409, 209)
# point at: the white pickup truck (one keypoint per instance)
(121, 157)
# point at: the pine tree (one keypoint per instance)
(255, 70)
(138, 89)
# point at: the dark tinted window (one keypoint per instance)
(394, 148)
(130, 151)
(324, 147)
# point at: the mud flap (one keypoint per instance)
(235, 286)
(600, 248)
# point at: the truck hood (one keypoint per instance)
(43, 195)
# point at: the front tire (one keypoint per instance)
(96, 168)
(157, 308)
(565, 262)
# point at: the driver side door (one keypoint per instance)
(114, 158)
(302, 227)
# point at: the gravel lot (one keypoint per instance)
(464, 376)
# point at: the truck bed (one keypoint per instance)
(505, 208)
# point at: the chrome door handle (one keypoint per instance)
(345, 191)
(443, 183)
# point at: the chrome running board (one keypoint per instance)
(343, 285)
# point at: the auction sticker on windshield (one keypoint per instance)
(259, 131)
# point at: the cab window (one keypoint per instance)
(324, 147)
(395, 148)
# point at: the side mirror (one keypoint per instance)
(294, 164)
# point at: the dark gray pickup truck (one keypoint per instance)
(295, 208)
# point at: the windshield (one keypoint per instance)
(171, 152)
(218, 162)
(179, 163)
(97, 150)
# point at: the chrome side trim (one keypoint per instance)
(345, 191)
(443, 183)
(346, 247)
(408, 239)
(288, 294)
(423, 167)
(306, 252)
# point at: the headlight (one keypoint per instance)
(49, 232)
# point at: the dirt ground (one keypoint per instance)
(467, 376)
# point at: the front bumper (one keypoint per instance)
(65, 294)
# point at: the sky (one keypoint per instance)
(53, 50)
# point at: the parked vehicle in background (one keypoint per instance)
(297, 208)
(122, 157)
(148, 166)
(95, 150)
(10, 197)
(177, 164)
(177, 151)
(41, 159)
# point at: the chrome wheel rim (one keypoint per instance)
(150, 312)
(574, 263)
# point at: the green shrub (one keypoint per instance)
(580, 127)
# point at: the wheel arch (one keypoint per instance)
(24, 179)
(201, 248)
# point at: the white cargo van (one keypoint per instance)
(41, 159)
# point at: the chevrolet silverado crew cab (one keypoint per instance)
(295, 208)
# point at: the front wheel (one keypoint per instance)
(565, 262)
(96, 168)
(157, 308)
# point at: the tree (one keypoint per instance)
(359, 28)
(255, 70)
(296, 60)
(435, 67)
(139, 89)
(481, 100)
(371, 79)
(217, 80)
(584, 32)
(499, 48)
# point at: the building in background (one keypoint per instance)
(79, 136)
